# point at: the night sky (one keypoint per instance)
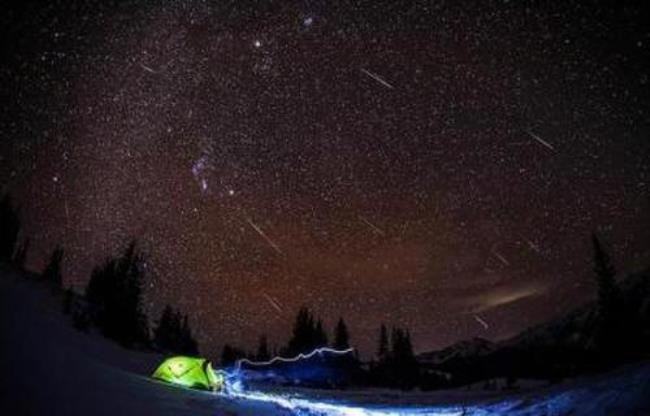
(431, 164)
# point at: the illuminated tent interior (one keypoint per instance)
(191, 372)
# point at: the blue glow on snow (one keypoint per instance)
(301, 405)
(304, 406)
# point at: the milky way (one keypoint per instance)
(423, 164)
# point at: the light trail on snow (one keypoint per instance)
(301, 405)
(298, 403)
(305, 406)
(301, 356)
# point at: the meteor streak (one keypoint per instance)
(540, 140)
(373, 226)
(273, 303)
(377, 78)
(532, 245)
(148, 69)
(501, 258)
(264, 236)
(498, 255)
(481, 321)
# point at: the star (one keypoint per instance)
(391, 166)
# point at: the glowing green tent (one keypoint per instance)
(191, 372)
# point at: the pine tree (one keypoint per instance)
(347, 366)
(230, 355)
(605, 277)
(263, 350)
(341, 336)
(136, 328)
(52, 272)
(303, 338)
(227, 356)
(164, 332)
(188, 346)
(382, 350)
(409, 355)
(68, 299)
(173, 333)
(115, 296)
(320, 337)
(99, 291)
(402, 362)
(20, 256)
(396, 338)
(610, 308)
(9, 228)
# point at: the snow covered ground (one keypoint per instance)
(49, 368)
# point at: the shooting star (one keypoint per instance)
(377, 78)
(148, 69)
(532, 245)
(498, 255)
(501, 258)
(372, 226)
(272, 302)
(481, 321)
(540, 140)
(260, 232)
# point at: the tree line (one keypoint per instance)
(394, 365)
(112, 302)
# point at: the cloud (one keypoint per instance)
(504, 295)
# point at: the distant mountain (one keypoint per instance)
(578, 328)
(474, 347)
(560, 348)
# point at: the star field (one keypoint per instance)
(439, 166)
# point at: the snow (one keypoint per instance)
(49, 368)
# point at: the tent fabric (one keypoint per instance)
(191, 372)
